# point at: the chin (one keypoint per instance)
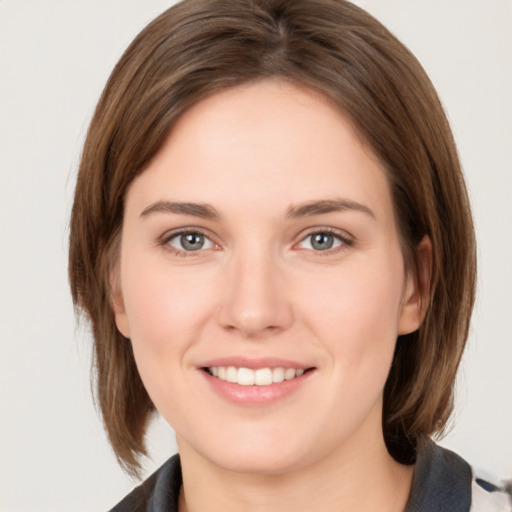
(257, 462)
(262, 453)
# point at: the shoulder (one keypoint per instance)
(158, 493)
(445, 482)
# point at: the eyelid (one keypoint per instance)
(346, 239)
(169, 235)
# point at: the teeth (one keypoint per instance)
(259, 377)
(231, 374)
(245, 377)
(262, 377)
(278, 375)
(289, 374)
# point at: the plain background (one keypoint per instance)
(55, 56)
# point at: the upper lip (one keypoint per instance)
(254, 363)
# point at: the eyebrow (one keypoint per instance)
(308, 209)
(327, 206)
(204, 211)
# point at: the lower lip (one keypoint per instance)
(256, 395)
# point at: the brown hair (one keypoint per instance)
(198, 47)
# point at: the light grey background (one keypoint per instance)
(55, 56)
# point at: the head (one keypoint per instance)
(200, 49)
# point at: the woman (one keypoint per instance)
(272, 240)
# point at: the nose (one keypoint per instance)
(256, 302)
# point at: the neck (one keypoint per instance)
(358, 477)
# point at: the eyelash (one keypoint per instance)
(345, 239)
(166, 239)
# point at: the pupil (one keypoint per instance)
(322, 241)
(192, 241)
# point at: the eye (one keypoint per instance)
(323, 241)
(190, 241)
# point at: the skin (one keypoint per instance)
(259, 288)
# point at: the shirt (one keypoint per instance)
(443, 482)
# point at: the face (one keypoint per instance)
(261, 280)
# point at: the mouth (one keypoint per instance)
(256, 382)
(255, 377)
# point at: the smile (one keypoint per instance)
(257, 377)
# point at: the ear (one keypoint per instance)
(117, 301)
(417, 289)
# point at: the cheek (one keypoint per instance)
(164, 307)
(166, 313)
(355, 312)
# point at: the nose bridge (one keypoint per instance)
(255, 302)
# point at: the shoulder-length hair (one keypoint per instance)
(198, 47)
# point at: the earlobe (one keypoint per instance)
(117, 301)
(417, 289)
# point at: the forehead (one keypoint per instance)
(275, 113)
(263, 143)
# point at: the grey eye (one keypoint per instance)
(190, 242)
(321, 241)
